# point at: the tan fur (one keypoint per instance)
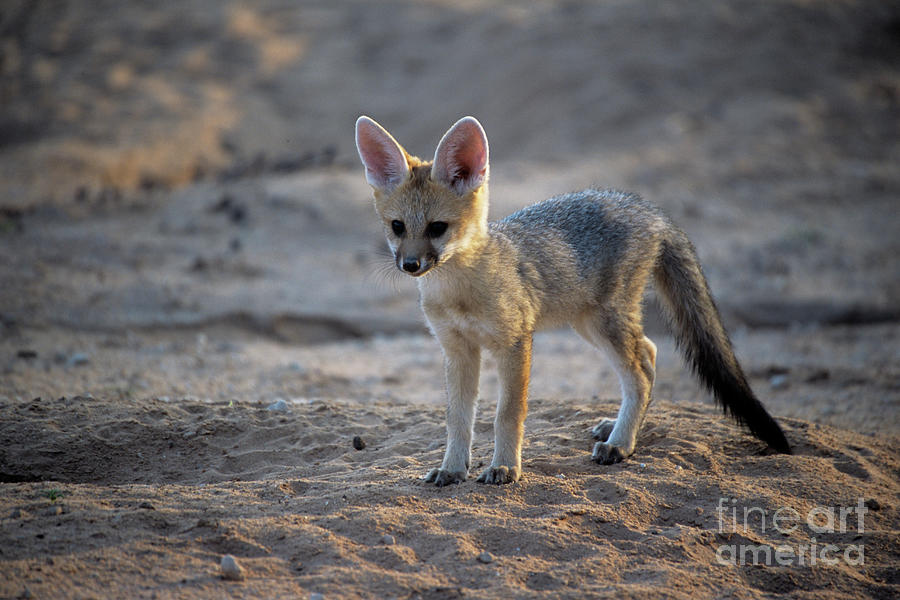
(582, 259)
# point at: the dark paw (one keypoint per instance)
(499, 475)
(607, 454)
(440, 477)
(602, 429)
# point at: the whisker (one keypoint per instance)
(381, 270)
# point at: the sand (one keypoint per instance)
(143, 498)
(199, 326)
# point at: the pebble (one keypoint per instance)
(279, 405)
(359, 443)
(485, 557)
(231, 570)
(78, 359)
(387, 539)
(316, 596)
(779, 382)
(873, 504)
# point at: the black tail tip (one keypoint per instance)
(774, 437)
(781, 448)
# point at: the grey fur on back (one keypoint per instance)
(618, 242)
(594, 246)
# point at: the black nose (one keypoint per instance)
(411, 265)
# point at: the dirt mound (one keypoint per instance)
(164, 489)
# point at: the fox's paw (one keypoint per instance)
(602, 429)
(607, 454)
(499, 475)
(440, 477)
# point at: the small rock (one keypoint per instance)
(873, 504)
(199, 264)
(223, 205)
(316, 596)
(359, 443)
(231, 570)
(818, 375)
(779, 382)
(78, 359)
(27, 354)
(207, 523)
(146, 506)
(237, 214)
(279, 405)
(485, 557)
(387, 539)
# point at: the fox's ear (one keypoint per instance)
(461, 158)
(383, 157)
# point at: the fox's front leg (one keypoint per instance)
(462, 363)
(513, 366)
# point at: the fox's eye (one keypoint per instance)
(435, 229)
(398, 227)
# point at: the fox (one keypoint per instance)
(580, 259)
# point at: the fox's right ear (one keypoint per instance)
(384, 159)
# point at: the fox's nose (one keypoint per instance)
(411, 264)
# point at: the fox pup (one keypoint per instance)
(581, 259)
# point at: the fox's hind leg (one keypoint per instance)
(602, 430)
(633, 357)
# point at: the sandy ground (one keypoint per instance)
(197, 317)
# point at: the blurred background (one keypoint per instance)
(141, 95)
(191, 165)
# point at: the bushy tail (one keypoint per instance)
(702, 338)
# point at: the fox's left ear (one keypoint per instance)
(461, 158)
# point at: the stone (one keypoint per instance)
(231, 570)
